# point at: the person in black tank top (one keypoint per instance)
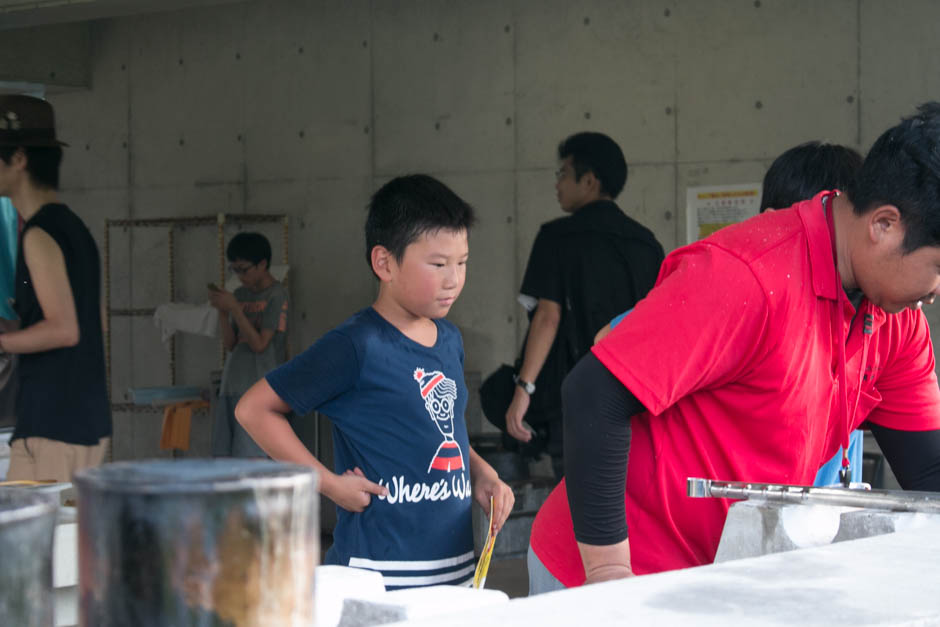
(63, 418)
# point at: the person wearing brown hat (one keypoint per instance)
(63, 417)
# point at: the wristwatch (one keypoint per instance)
(525, 385)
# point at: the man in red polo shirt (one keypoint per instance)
(753, 358)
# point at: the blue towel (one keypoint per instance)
(162, 395)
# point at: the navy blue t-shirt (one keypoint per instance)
(398, 414)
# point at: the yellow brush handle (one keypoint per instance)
(479, 577)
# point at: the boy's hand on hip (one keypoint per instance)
(353, 492)
(503, 499)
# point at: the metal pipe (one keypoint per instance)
(106, 323)
(907, 501)
(285, 259)
(234, 218)
(220, 237)
(171, 245)
(107, 304)
(143, 311)
(284, 255)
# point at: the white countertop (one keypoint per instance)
(885, 580)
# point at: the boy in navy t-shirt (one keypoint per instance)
(391, 379)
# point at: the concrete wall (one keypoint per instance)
(306, 107)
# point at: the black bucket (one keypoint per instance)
(197, 542)
(27, 525)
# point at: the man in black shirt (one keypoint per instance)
(63, 419)
(584, 269)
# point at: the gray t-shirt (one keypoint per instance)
(266, 309)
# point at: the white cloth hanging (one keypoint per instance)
(197, 319)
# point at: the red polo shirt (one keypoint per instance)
(734, 354)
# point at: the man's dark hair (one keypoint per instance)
(903, 169)
(597, 153)
(407, 207)
(805, 170)
(253, 247)
(42, 163)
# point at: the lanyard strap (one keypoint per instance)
(845, 474)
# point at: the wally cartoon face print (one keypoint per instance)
(440, 395)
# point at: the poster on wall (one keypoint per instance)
(714, 207)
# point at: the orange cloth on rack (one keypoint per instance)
(177, 419)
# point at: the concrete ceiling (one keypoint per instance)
(23, 13)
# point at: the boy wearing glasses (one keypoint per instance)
(253, 320)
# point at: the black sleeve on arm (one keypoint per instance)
(914, 456)
(542, 278)
(597, 409)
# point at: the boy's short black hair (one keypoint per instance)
(903, 169)
(407, 207)
(597, 153)
(42, 163)
(253, 247)
(805, 170)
